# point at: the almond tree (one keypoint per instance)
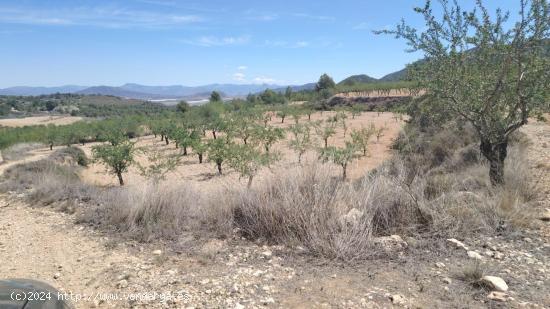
(248, 161)
(199, 148)
(219, 151)
(362, 137)
(356, 110)
(342, 156)
(379, 133)
(301, 140)
(184, 138)
(477, 68)
(116, 158)
(267, 136)
(325, 131)
(159, 164)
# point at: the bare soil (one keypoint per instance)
(38, 120)
(204, 176)
(43, 244)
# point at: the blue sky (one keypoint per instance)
(166, 42)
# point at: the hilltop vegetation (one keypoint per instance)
(76, 105)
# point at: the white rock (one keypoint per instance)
(474, 255)
(447, 280)
(398, 299)
(157, 252)
(390, 243)
(495, 283)
(498, 296)
(267, 253)
(57, 275)
(439, 265)
(545, 215)
(238, 306)
(457, 243)
(269, 300)
(122, 284)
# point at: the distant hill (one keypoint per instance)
(358, 79)
(395, 76)
(34, 91)
(118, 91)
(296, 88)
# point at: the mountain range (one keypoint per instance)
(177, 92)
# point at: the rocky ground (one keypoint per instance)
(109, 273)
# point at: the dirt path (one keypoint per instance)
(32, 156)
(43, 244)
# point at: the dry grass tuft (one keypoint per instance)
(44, 182)
(19, 151)
(151, 211)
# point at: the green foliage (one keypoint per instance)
(270, 97)
(325, 82)
(116, 158)
(219, 150)
(342, 156)
(183, 107)
(184, 138)
(301, 139)
(159, 164)
(288, 93)
(356, 110)
(379, 132)
(325, 131)
(247, 160)
(362, 137)
(215, 97)
(476, 69)
(199, 148)
(267, 136)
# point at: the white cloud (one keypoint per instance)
(242, 67)
(285, 44)
(210, 41)
(313, 17)
(105, 17)
(361, 26)
(264, 17)
(239, 77)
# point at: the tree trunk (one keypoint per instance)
(214, 134)
(162, 137)
(184, 150)
(344, 171)
(166, 140)
(495, 154)
(282, 119)
(326, 142)
(200, 158)
(51, 146)
(219, 167)
(249, 181)
(120, 180)
(177, 145)
(245, 140)
(309, 117)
